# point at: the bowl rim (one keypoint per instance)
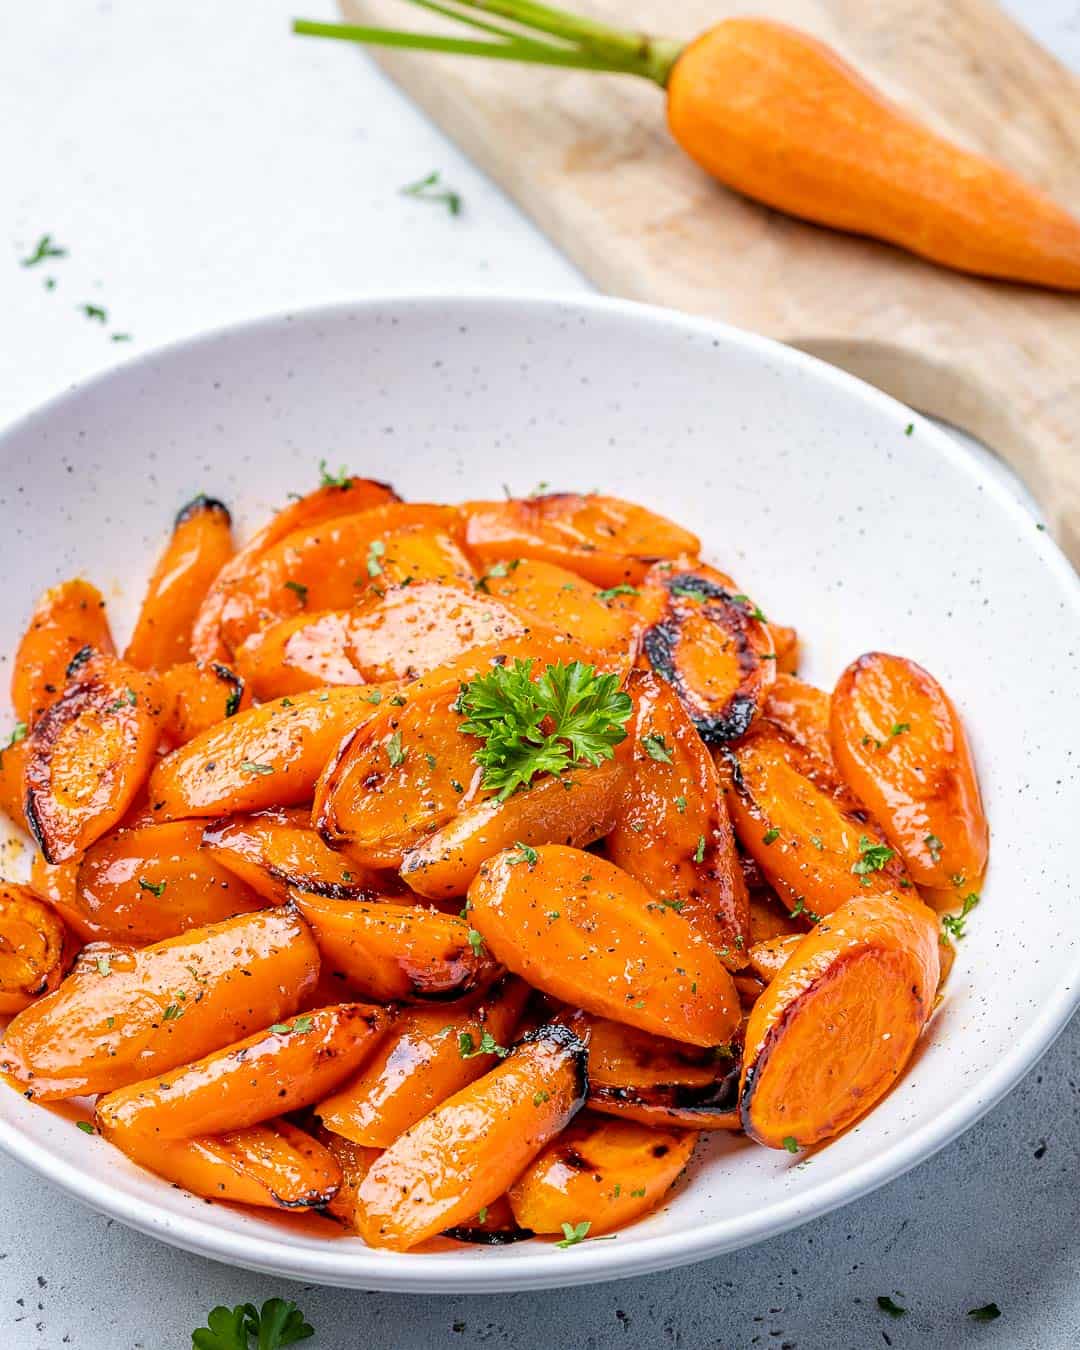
(449, 1272)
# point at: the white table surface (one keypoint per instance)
(202, 166)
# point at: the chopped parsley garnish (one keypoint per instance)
(468, 1049)
(539, 1098)
(699, 852)
(104, 967)
(790, 1143)
(909, 428)
(45, 248)
(430, 189)
(571, 714)
(680, 805)
(394, 752)
(934, 844)
(341, 479)
(989, 1312)
(94, 312)
(374, 697)
(481, 1214)
(300, 589)
(85, 1126)
(526, 854)
(750, 607)
(154, 887)
(954, 924)
(573, 1233)
(500, 569)
(817, 843)
(249, 766)
(613, 591)
(886, 1304)
(799, 907)
(656, 748)
(770, 836)
(873, 857)
(279, 1324)
(18, 733)
(173, 1012)
(639, 1194)
(376, 550)
(476, 941)
(299, 1025)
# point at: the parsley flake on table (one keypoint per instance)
(430, 189)
(278, 1324)
(570, 715)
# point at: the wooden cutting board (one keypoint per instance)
(589, 157)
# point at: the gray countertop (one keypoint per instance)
(165, 216)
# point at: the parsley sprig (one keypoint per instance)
(570, 715)
(278, 1324)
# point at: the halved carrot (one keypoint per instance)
(769, 956)
(582, 930)
(673, 833)
(13, 777)
(329, 565)
(346, 497)
(268, 756)
(397, 778)
(574, 808)
(428, 1055)
(89, 755)
(35, 948)
(275, 850)
(561, 599)
(154, 882)
(712, 644)
(833, 1030)
(122, 1014)
(466, 1152)
(802, 713)
(812, 839)
(288, 1066)
(355, 1163)
(66, 619)
(493, 1225)
(201, 544)
(274, 1165)
(388, 951)
(901, 747)
(605, 1173)
(400, 634)
(197, 696)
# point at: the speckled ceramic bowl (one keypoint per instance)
(802, 483)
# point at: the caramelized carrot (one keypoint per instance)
(901, 747)
(492, 1226)
(346, 497)
(154, 882)
(123, 1015)
(67, 619)
(603, 539)
(769, 956)
(200, 546)
(268, 756)
(582, 930)
(673, 833)
(786, 645)
(606, 1173)
(813, 841)
(355, 1163)
(276, 850)
(13, 777)
(35, 948)
(554, 597)
(387, 951)
(802, 713)
(284, 1068)
(769, 918)
(429, 1054)
(833, 1030)
(197, 696)
(89, 756)
(466, 1152)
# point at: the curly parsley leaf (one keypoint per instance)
(954, 924)
(278, 1324)
(873, 857)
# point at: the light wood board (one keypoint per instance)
(590, 159)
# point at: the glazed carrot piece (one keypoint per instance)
(35, 948)
(901, 747)
(603, 539)
(428, 1055)
(143, 885)
(386, 951)
(288, 1066)
(398, 777)
(355, 1163)
(89, 755)
(400, 634)
(710, 642)
(769, 956)
(13, 777)
(543, 647)
(576, 809)
(785, 643)
(606, 1173)
(201, 544)
(810, 837)
(268, 756)
(673, 833)
(67, 619)
(346, 497)
(833, 1030)
(197, 696)
(493, 1225)
(465, 1153)
(557, 598)
(276, 850)
(583, 931)
(274, 1165)
(331, 564)
(769, 918)
(123, 1014)
(802, 713)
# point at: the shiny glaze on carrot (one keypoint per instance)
(67, 619)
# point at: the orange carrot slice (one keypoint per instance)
(67, 619)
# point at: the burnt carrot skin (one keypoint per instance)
(68, 619)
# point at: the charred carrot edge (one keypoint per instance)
(67, 619)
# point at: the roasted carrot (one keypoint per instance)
(584, 931)
(493, 1225)
(123, 1014)
(387, 951)
(770, 918)
(606, 1173)
(90, 754)
(347, 496)
(769, 956)
(901, 747)
(466, 1152)
(802, 713)
(428, 1055)
(200, 545)
(673, 833)
(35, 948)
(197, 696)
(555, 597)
(66, 620)
(778, 116)
(13, 777)
(355, 1163)
(833, 1030)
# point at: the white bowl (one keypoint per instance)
(803, 483)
